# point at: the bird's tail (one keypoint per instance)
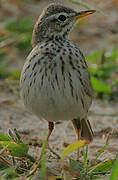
(86, 130)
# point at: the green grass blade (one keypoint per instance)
(5, 138)
(43, 173)
(72, 147)
(99, 153)
(102, 168)
(85, 159)
(114, 174)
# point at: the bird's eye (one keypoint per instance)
(62, 18)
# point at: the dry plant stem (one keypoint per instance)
(36, 166)
(13, 160)
(3, 150)
(2, 159)
(6, 43)
(8, 163)
(21, 170)
(108, 137)
(5, 162)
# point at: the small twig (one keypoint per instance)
(13, 160)
(7, 42)
(8, 164)
(3, 150)
(108, 137)
(5, 162)
(36, 166)
(2, 159)
(21, 170)
(103, 148)
(12, 135)
(17, 134)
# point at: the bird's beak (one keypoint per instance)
(84, 13)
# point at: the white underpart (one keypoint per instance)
(54, 103)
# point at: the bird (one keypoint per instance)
(55, 82)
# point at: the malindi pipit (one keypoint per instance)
(55, 82)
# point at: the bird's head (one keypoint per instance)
(56, 20)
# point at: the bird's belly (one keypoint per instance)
(52, 110)
(55, 104)
(63, 111)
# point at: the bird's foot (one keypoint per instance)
(57, 155)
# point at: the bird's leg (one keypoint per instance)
(50, 129)
(77, 125)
